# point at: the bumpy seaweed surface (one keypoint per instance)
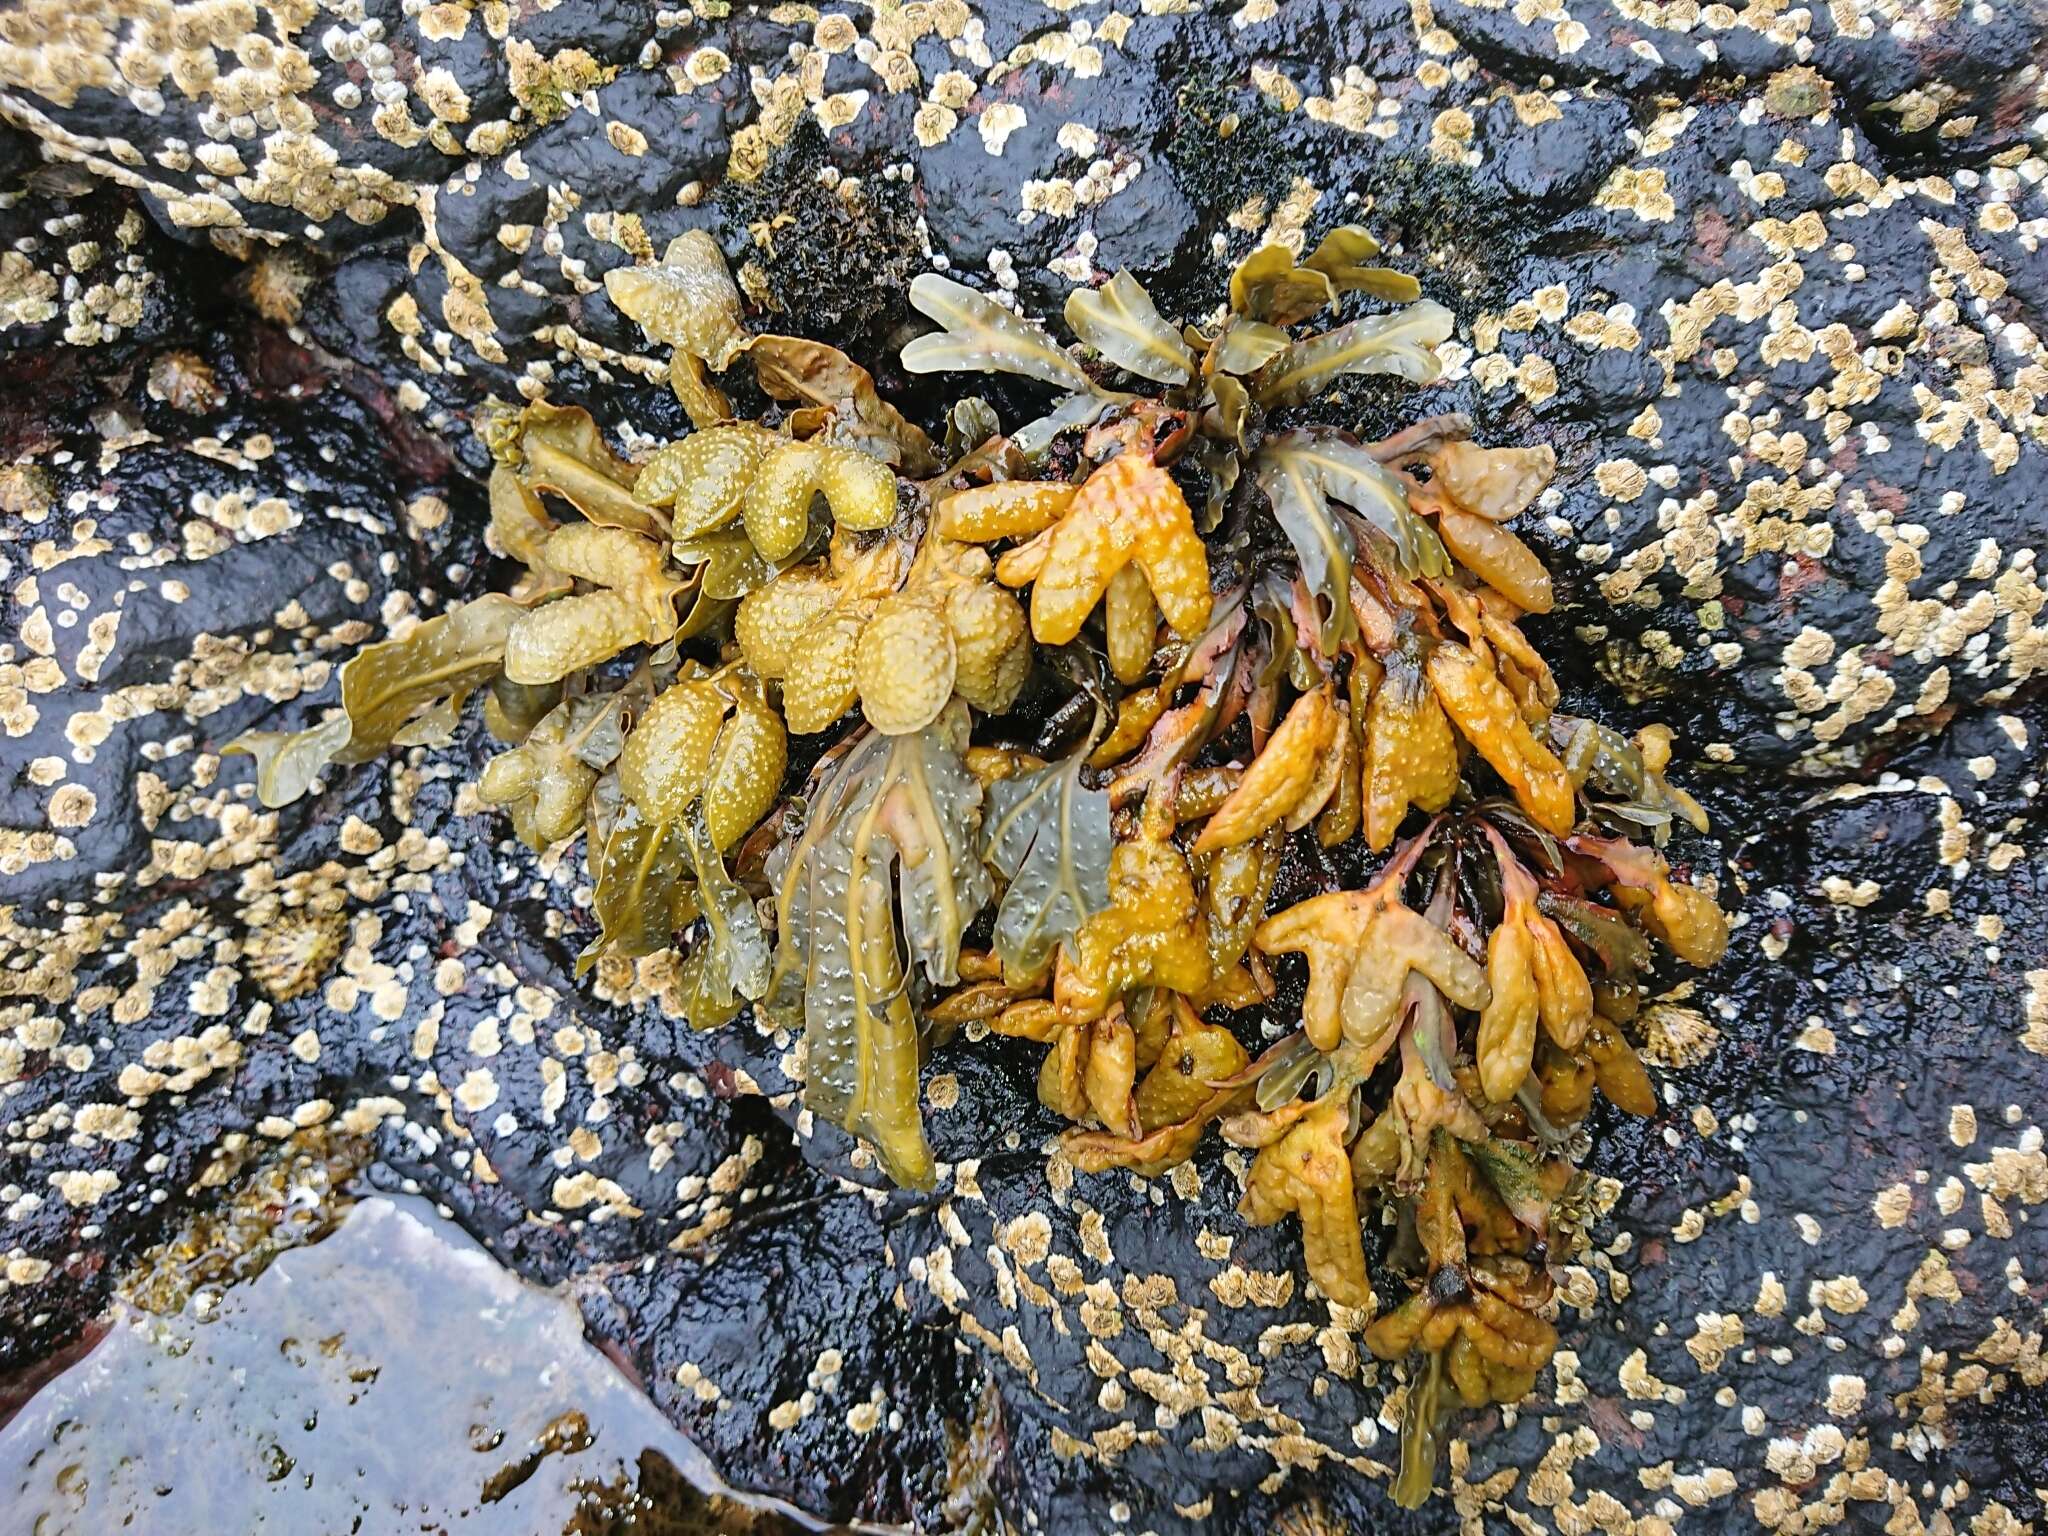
(1767, 281)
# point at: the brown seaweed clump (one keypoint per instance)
(1235, 631)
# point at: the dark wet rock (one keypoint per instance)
(861, 1400)
(487, 1406)
(1780, 317)
(1617, 55)
(81, 270)
(1558, 164)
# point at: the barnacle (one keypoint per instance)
(290, 957)
(1341, 665)
(185, 382)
